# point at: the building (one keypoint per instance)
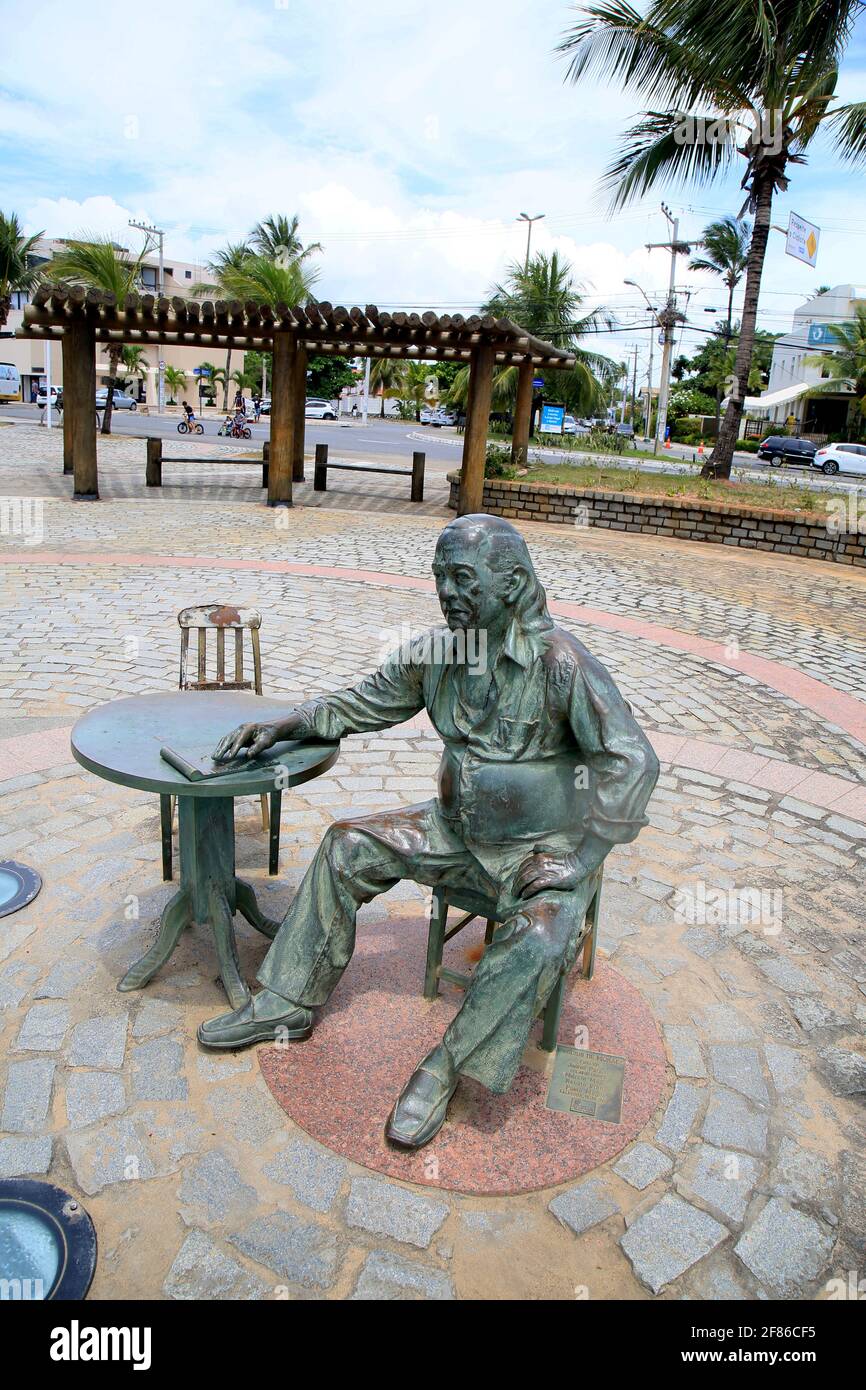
(29, 355)
(787, 399)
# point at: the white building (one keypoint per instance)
(28, 355)
(792, 377)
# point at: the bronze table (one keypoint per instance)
(120, 741)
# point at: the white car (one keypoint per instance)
(56, 396)
(572, 426)
(840, 458)
(319, 409)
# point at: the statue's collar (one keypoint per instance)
(523, 647)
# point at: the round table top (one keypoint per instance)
(120, 741)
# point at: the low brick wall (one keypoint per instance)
(717, 523)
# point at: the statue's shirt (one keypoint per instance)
(540, 746)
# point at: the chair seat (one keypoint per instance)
(479, 905)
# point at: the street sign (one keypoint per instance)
(538, 382)
(201, 371)
(552, 419)
(803, 238)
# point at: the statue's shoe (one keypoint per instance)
(264, 1018)
(420, 1109)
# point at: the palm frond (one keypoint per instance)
(847, 125)
(658, 149)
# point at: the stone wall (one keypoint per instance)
(718, 523)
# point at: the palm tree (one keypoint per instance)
(212, 374)
(413, 384)
(726, 254)
(848, 361)
(545, 300)
(266, 282)
(764, 77)
(175, 380)
(17, 271)
(385, 376)
(231, 257)
(276, 237)
(134, 360)
(100, 264)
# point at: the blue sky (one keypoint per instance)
(407, 136)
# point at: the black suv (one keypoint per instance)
(781, 448)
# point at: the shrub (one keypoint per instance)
(497, 462)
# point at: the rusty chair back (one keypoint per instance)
(214, 638)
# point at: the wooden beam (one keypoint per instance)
(471, 498)
(282, 421)
(79, 403)
(299, 403)
(522, 415)
(68, 451)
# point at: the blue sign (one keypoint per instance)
(820, 335)
(538, 381)
(201, 371)
(552, 419)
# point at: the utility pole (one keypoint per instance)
(524, 217)
(668, 317)
(366, 389)
(159, 234)
(634, 385)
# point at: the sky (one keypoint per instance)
(406, 136)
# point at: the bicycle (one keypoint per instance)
(187, 427)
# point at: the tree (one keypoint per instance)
(848, 361)
(211, 376)
(328, 376)
(385, 376)
(175, 380)
(134, 361)
(17, 271)
(100, 264)
(413, 384)
(747, 77)
(726, 253)
(276, 238)
(231, 257)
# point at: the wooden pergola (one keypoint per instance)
(79, 318)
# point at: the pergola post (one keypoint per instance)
(79, 403)
(522, 414)
(67, 417)
(282, 420)
(471, 498)
(299, 405)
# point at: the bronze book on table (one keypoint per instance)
(199, 766)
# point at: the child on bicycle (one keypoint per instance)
(189, 413)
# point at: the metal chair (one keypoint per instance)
(477, 905)
(219, 618)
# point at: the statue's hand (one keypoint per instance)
(247, 740)
(541, 871)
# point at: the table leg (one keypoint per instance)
(176, 916)
(209, 893)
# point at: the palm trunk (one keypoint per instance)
(719, 463)
(113, 364)
(228, 378)
(5, 307)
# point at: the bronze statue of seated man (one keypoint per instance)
(543, 771)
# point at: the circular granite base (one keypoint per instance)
(340, 1084)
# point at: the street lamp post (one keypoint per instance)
(159, 234)
(649, 376)
(524, 217)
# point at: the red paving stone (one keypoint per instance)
(378, 1026)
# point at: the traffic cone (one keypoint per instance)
(701, 450)
(668, 442)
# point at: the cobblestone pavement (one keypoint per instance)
(738, 914)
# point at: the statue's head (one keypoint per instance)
(485, 577)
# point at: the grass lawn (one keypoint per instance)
(793, 495)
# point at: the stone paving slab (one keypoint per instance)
(200, 1185)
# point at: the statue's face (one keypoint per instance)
(469, 592)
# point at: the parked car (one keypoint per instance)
(266, 405)
(437, 417)
(841, 458)
(625, 430)
(56, 396)
(783, 448)
(572, 426)
(318, 409)
(121, 400)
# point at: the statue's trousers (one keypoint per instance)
(359, 858)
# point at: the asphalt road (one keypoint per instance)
(398, 439)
